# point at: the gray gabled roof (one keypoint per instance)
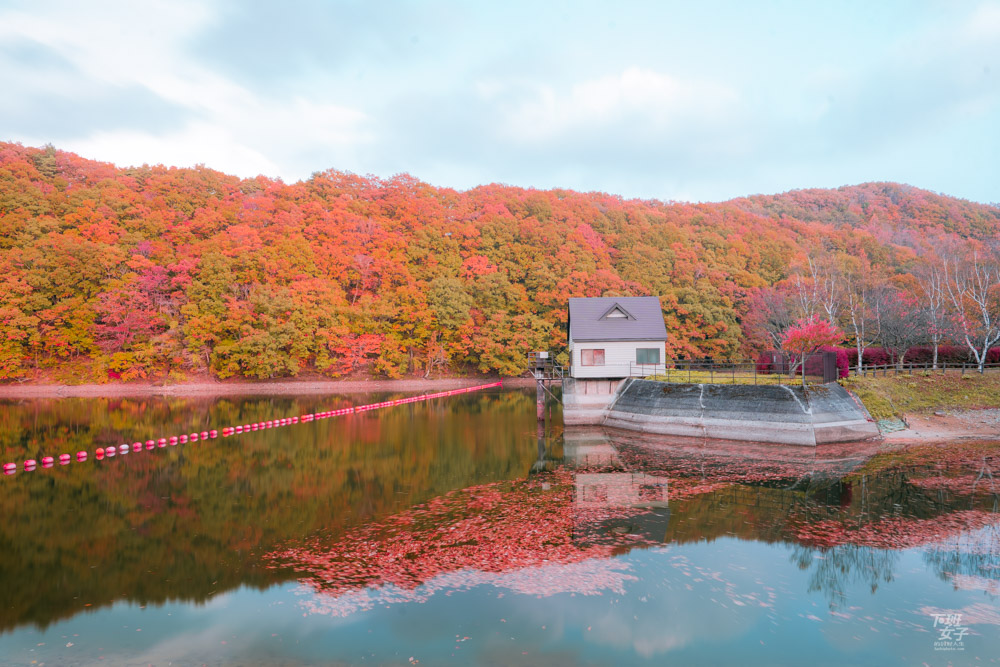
(643, 321)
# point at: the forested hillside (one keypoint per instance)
(156, 272)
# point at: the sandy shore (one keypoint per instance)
(949, 425)
(286, 388)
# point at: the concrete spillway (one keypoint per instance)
(815, 415)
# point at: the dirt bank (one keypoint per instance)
(290, 387)
(947, 425)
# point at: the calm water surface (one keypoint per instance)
(449, 532)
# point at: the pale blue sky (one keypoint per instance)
(666, 100)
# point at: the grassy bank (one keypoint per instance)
(892, 396)
(684, 376)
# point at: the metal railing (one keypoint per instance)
(544, 367)
(755, 372)
(943, 368)
(745, 371)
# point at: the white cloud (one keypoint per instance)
(984, 24)
(758, 107)
(198, 143)
(649, 100)
(228, 127)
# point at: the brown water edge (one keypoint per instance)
(281, 388)
(980, 424)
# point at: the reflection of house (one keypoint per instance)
(620, 489)
(610, 336)
(600, 477)
(603, 485)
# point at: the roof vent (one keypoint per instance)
(616, 312)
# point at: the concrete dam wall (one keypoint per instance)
(814, 415)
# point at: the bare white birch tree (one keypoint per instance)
(973, 286)
(863, 316)
(820, 289)
(902, 322)
(931, 277)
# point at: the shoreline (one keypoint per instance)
(944, 426)
(282, 388)
(940, 427)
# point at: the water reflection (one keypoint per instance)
(623, 542)
(189, 522)
(845, 512)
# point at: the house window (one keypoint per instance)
(595, 493)
(591, 357)
(647, 355)
(652, 492)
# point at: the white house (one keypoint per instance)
(615, 337)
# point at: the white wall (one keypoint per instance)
(619, 357)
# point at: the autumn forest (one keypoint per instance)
(166, 274)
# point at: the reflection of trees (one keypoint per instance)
(833, 570)
(974, 554)
(192, 521)
(969, 558)
(845, 516)
(502, 528)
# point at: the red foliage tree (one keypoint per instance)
(807, 336)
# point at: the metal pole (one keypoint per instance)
(540, 396)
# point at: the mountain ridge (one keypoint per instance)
(156, 271)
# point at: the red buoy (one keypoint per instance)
(99, 453)
(109, 451)
(255, 426)
(213, 433)
(136, 446)
(204, 435)
(173, 440)
(239, 429)
(29, 465)
(81, 456)
(63, 459)
(183, 439)
(193, 437)
(150, 444)
(162, 442)
(9, 467)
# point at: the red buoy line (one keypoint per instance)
(108, 452)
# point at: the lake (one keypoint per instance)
(453, 532)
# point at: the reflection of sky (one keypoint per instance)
(727, 601)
